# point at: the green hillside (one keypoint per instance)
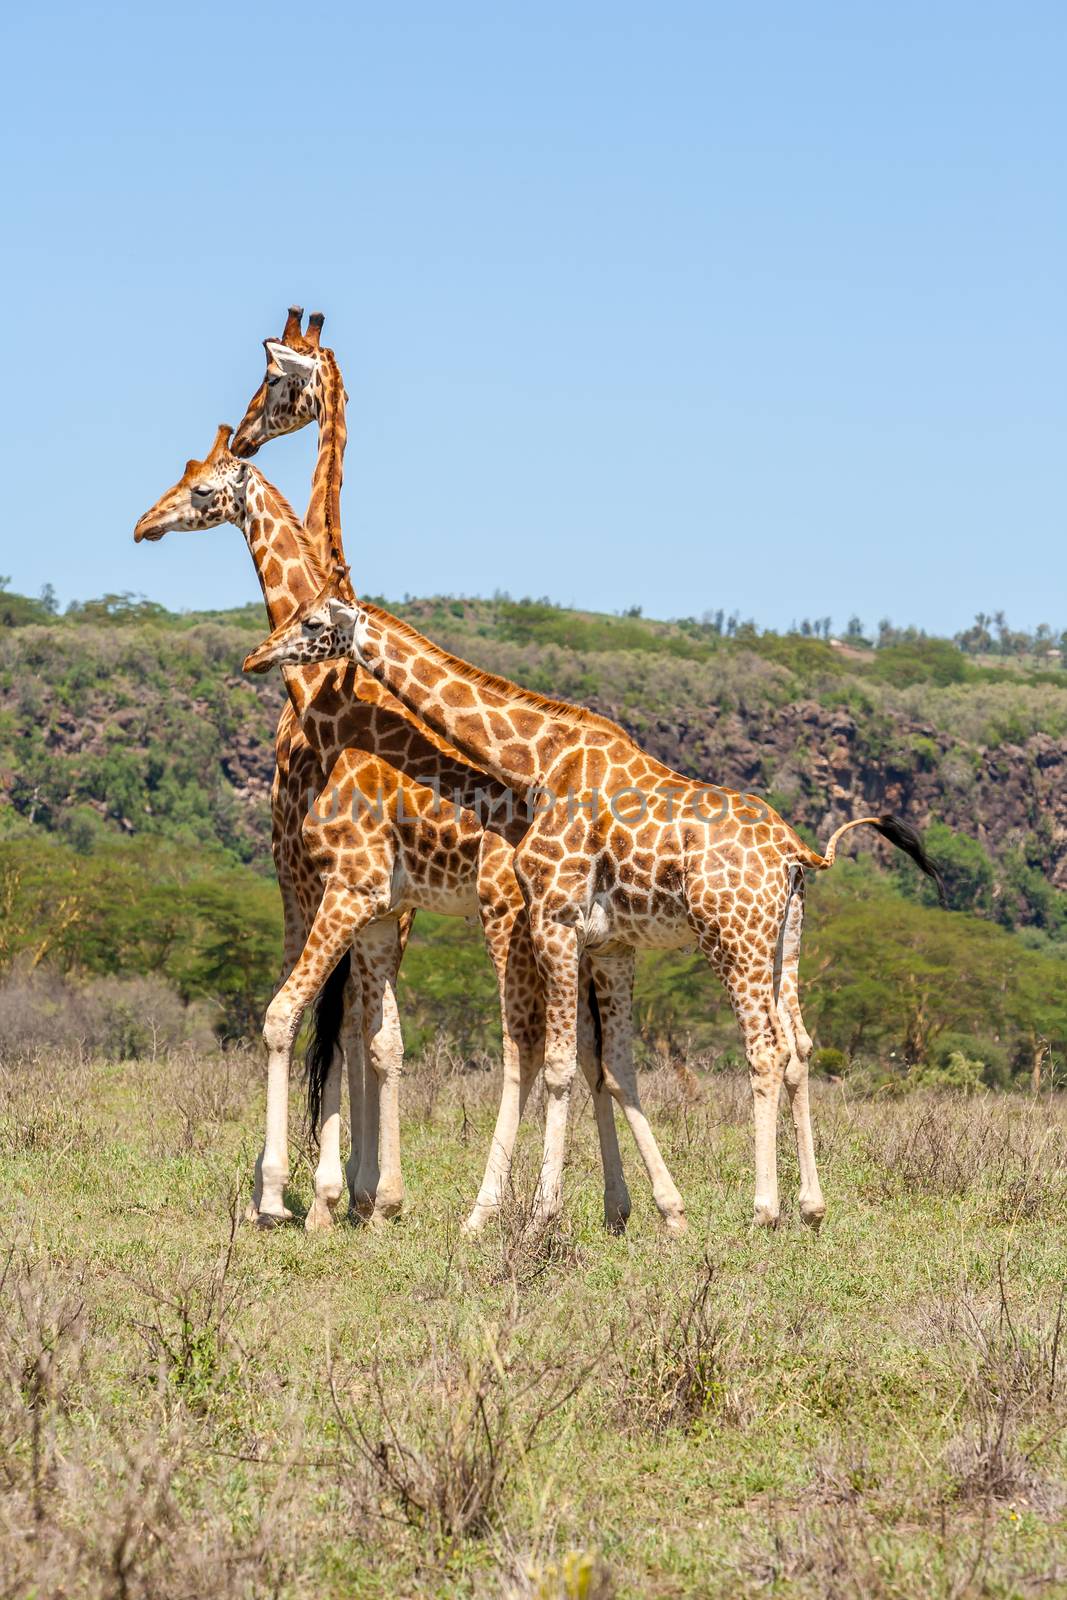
(135, 766)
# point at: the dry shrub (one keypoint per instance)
(840, 1552)
(573, 1575)
(941, 1146)
(189, 1327)
(527, 1246)
(676, 1363)
(124, 1017)
(986, 1463)
(440, 1065)
(438, 1453)
(669, 1084)
(1012, 1376)
(39, 1104)
(843, 1473)
(97, 1503)
(205, 1092)
(121, 1520)
(42, 1343)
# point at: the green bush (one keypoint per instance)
(957, 1072)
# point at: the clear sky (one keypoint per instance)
(681, 305)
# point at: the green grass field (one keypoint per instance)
(877, 1411)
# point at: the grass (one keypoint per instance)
(191, 1406)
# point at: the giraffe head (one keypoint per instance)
(208, 493)
(288, 398)
(325, 629)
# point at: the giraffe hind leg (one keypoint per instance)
(591, 1046)
(613, 975)
(749, 980)
(812, 1203)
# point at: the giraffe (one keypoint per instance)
(303, 384)
(623, 854)
(401, 821)
(297, 774)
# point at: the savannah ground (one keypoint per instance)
(877, 1411)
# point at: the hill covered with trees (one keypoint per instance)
(135, 767)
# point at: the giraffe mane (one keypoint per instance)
(282, 507)
(332, 496)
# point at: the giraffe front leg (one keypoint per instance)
(520, 1069)
(331, 932)
(272, 1165)
(294, 932)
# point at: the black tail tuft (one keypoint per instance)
(598, 1033)
(904, 836)
(325, 1032)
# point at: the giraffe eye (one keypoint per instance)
(312, 625)
(273, 378)
(204, 491)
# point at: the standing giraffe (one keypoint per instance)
(623, 854)
(297, 775)
(303, 384)
(402, 821)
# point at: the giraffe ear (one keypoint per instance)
(293, 363)
(340, 613)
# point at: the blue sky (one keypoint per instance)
(685, 306)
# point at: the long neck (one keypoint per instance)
(285, 562)
(289, 576)
(515, 736)
(322, 523)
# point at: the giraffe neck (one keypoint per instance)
(289, 576)
(322, 523)
(515, 736)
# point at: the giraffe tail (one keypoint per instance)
(598, 1033)
(899, 833)
(325, 1034)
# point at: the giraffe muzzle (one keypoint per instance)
(146, 529)
(259, 660)
(244, 444)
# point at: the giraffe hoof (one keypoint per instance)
(616, 1212)
(677, 1224)
(267, 1220)
(360, 1205)
(812, 1216)
(319, 1219)
(765, 1216)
